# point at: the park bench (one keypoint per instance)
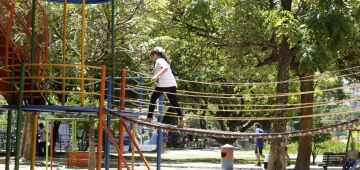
(332, 159)
(78, 159)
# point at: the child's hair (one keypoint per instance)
(257, 125)
(41, 125)
(159, 51)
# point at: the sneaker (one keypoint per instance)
(145, 119)
(258, 164)
(181, 122)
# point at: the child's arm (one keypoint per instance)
(160, 72)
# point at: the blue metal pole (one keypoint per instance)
(140, 93)
(160, 136)
(108, 122)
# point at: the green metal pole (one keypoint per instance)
(19, 116)
(112, 39)
(32, 57)
(347, 148)
(9, 118)
(73, 136)
(47, 148)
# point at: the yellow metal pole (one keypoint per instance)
(82, 50)
(46, 145)
(64, 51)
(33, 141)
(52, 148)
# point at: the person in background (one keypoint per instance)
(259, 144)
(41, 140)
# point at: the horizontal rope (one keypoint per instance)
(301, 79)
(252, 96)
(243, 105)
(75, 85)
(251, 110)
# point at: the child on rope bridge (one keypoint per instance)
(166, 83)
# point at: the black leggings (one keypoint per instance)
(159, 91)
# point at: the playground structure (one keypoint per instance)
(23, 85)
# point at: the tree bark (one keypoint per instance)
(305, 142)
(25, 149)
(277, 146)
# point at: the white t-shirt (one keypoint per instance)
(166, 79)
(42, 135)
(267, 157)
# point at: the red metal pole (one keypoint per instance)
(122, 107)
(101, 116)
(137, 147)
(8, 30)
(107, 131)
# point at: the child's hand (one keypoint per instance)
(155, 78)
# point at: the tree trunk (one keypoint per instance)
(92, 161)
(304, 149)
(277, 147)
(25, 149)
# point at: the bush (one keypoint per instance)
(332, 146)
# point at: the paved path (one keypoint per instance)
(178, 166)
(211, 157)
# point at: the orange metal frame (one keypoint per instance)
(119, 147)
(41, 45)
